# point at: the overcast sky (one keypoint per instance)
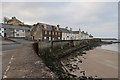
(98, 18)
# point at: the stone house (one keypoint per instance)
(13, 31)
(45, 32)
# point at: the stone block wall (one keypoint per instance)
(51, 46)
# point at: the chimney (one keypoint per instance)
(86, 32)
(38, 23)
(58, 27)
(13, 17)
(66, 28)
(70, 29)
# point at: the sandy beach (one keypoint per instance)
(101, 63)
(98, 63)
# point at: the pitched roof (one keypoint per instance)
(70, 31)
(75, 32)
(64, 30)
(14, 19)
(49, 27)
(13, 27)
(90, 35)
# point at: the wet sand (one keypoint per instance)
(98, 63)
(101, 63)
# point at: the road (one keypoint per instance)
(7, 51)
(21, 59)
(10, 47)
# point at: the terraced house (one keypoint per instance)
(45, 32)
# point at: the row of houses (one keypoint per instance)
(47, 32)
(40, 31)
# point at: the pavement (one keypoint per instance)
(22, 62)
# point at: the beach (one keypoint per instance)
(101, 63)
(96, 63)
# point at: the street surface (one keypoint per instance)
(21, 59)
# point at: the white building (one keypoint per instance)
(65, 34)
(7, 30)
(90, 36)
(77, 35)
(1, 31)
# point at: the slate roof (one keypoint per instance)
(64, 30)
(13, 27)
(75, 32)
(49, 27)
(70, 31)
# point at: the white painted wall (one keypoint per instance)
(19, 33)
(2, 31)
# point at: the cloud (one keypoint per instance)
(93, 17)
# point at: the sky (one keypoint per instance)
(97, 18)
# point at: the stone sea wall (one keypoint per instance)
(53, 46)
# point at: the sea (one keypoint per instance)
(112, 47)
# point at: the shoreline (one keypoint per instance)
(96, 63)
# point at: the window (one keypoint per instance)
(17, 34)
(58, 37)
(45, 26)
(53, 27)
(45, 32)
(22, 30)
(49, 38)
(44, 38)
(53, 39)
(0, 28)
(2, 31)
(5, 29)
(56, 33)
(59, 33)
(52, 33)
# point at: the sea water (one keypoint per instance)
(112, 47)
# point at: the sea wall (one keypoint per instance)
(52, 46)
